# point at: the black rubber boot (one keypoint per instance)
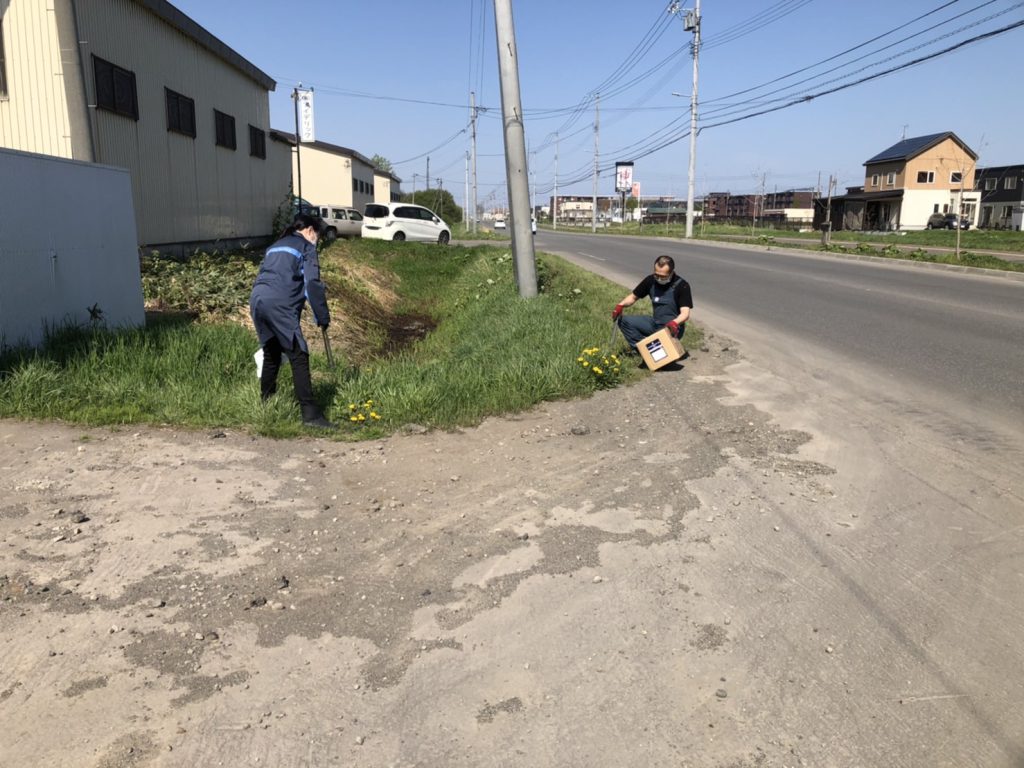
(313, 417)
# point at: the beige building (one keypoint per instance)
(909, 181)
(336, 175)
(138, 85)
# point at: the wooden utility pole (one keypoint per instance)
(298, 159)
(516, 173)
(826, 229)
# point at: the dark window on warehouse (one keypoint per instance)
(3, 62)
(181, 113)
(257, 142)
(115, 88)
(225, 127)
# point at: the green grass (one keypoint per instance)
(896, 245)
(490, 352)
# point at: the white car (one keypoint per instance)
(499, 224)
(404, 221)
(341, 221)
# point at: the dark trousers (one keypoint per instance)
(636, 327)
(299, 360)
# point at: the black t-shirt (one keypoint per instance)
(682, 291)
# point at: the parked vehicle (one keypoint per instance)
(302, 205)
(499, 224)
(341, 221)
(947, 221)
(403, 221)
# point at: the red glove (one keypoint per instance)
(673, 327)
(617, 311)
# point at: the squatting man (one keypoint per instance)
(670, 297)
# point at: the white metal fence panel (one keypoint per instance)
(68, 245)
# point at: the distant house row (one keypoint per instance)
(903, 187)
(139, 85)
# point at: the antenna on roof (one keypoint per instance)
(904, 136)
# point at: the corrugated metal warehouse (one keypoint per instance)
(139, 85)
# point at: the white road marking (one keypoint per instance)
(590, 256)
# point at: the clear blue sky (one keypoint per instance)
(371, 63)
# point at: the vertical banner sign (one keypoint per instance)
(623, 177)
(306, 132)
(636, 190)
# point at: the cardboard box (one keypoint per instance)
(660, 348)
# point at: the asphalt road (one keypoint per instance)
(956, 335)
(908, 380)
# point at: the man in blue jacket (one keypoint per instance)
(289, 276)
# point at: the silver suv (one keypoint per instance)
(341, 221)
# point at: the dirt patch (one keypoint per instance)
(405, 330)
(381, 601)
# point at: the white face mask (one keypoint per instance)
(663, 280)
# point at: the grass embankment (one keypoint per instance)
(421, 334)
(896, 245)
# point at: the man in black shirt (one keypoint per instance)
(670, 297)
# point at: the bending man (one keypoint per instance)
(670, 296)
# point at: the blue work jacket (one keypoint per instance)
(289, 276)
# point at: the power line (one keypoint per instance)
(915, 62)
(723, 111)
(830, 58)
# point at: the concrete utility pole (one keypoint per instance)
(472, 121)
(597, 156)
(427, 177)
(693, 24)
(465, 195)
(515, 151)
(554, 200)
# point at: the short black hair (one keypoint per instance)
(662, 261)
(305, 220)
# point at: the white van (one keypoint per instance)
(341, 221)
(404, 221)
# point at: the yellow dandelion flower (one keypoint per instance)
(586, 364)
(598, 371)
(373, 415)
(579, 359)
(351, 406)
(360, 417)
(352, 418)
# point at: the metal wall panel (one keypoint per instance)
(185, 189)
(34, 117)
(51, 275)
